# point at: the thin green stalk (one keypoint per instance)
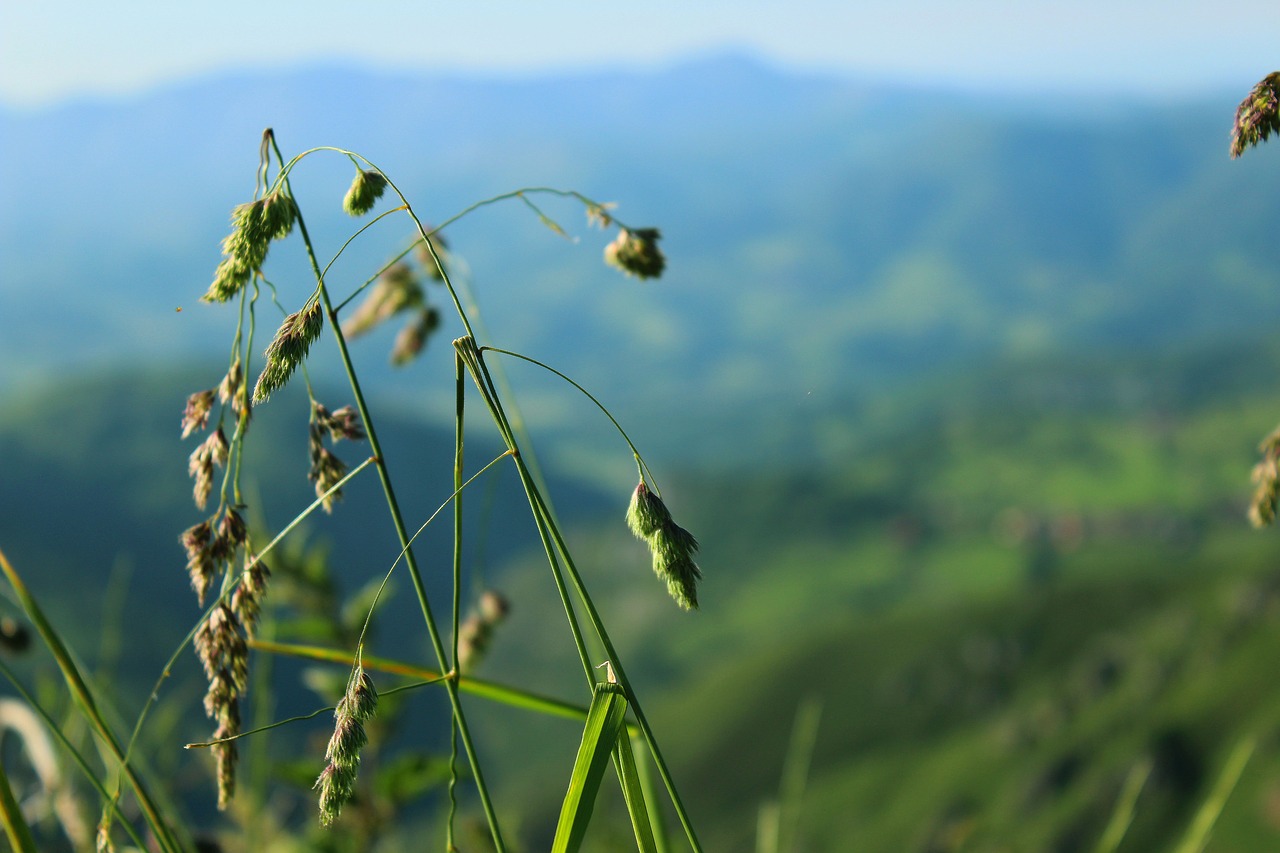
(109, 798)
(471, 356)
(795, 772)
(657, 817)
(205, 744)
(15, 826)
(639, 459)
(459, 407)
(542, 511)
(83, 695)
(597, 625)
(1202, 826)
(154, 696)
(398, 521)
(1126, 805)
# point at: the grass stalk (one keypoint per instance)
(1202, 825)
(15, 826)
(1125, 808)
(480, 375)
(83, 696)
(397, 518)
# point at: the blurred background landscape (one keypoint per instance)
(959, 385)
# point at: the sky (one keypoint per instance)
(52, 50)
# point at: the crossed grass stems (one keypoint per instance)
(225, 631)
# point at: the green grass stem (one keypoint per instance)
(1202, 826)
(83, 695)
(394, 509)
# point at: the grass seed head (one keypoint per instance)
(226, 756)
(337, 782)
(197, 541)
(287, 350)
(1258, 115)
(365, 190)
(413, 337)
(279, 213)
(673, 549)
(636, 253)
(196, 415)
(212, 451)
(397, 289)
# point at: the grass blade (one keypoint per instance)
(1207, 816)
(1126, 805)
(604, 722)
(624, 761)
(15, 827)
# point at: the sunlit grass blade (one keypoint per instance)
(515, 697)
(1202, 826)
(88, 705)
(15, 827)
(1126, 803)
(604, 722)
(624, 761)
(652, 798)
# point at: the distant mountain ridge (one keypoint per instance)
(824, 235)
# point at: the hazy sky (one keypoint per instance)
(51, 49)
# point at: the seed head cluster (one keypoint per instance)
(223, 652)
(289, 347)
(366, 188)
(671, 546)
(1258, 115)
(636, 252)
(1266, 479)
(213, 549)
(475, 634)
(326, 468)
(337, 782)
(253, 226)
(398, 290)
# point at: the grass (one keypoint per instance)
(229, 553)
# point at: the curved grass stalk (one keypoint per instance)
(301, 718)
(503, 694)
(393, 505)
(83, 695)
(541, 510)
(645, 473)
(154, 696)
(15, 825)
(109, 798)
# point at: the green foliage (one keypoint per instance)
(229, 561)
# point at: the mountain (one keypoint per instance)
(826, 236)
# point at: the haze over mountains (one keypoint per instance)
(1006, 596)
(825, 236)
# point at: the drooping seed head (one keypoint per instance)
(279, 212)
(413, 337)
(197, 541)
(365, 190)
(287, 350)
(646, 513)
(598, 214)
(196, 415)
(636, 253)
(397, 289)
(1258, 115)
(673, 548)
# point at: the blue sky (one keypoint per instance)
(52, 49)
